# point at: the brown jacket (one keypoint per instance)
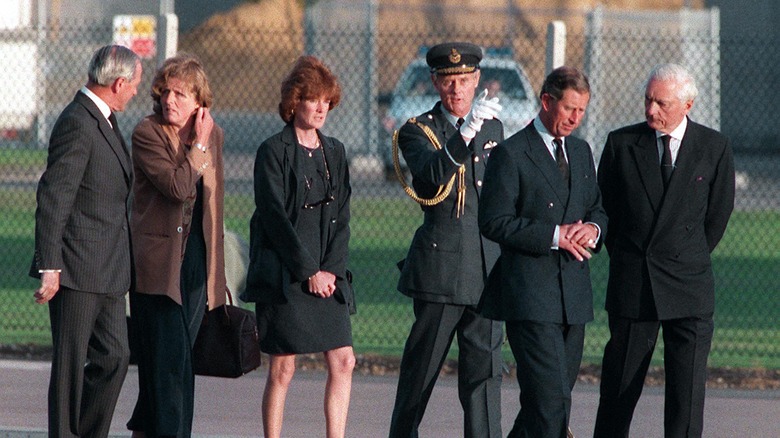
(165, 183)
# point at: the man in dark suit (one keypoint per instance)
(668, 188)
(541, 203)
(447, 264)
(82, 248)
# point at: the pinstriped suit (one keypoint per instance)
(81, 228)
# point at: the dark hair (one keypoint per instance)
(188, 69)
(110, 63)
(564, 78)
(309, 79)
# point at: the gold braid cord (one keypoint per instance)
(444, 190)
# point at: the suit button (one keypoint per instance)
(179, 229)
(333, 221)
(550, 205)
(434, 245)
(476, 158)
(479, 183)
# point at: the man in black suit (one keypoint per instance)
(447, 264)
(82, 248)
(668, 188)
(541, 203)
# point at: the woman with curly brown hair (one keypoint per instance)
(299, 247)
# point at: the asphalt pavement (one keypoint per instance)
(231, 407)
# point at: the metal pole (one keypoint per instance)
(167, 31)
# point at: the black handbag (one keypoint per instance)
(228, 343)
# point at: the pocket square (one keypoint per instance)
(489, 145)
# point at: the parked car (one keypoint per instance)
(414, 94)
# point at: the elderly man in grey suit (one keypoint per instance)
(541, 203)
(668, 186)
(82, 248)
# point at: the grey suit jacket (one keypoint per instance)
(659, 247)
(81, 220)
(448, 260)
(523, 199)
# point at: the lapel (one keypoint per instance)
(645, 155)
(114, 142)
(540, 156)
(292, 153)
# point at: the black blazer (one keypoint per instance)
(277, 258)
(448, 260)
(523, 199)
(660, 247)
(82, 221)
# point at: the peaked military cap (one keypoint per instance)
(454, 58)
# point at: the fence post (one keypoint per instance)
(556, 46)
(167, 32)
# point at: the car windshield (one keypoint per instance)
(499, 81)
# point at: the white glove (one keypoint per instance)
(482, 108)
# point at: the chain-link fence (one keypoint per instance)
(245, 68)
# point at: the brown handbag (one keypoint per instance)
(228, 343)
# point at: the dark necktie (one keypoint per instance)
(666, 161)
(459, 123)
(560, 158)
(115, 127)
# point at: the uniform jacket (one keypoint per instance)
(163, 195)
(277, 257)
(81, 221)
(660, 247)
(448, 259)
(523, 199)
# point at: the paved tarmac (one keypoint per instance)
(231, 407)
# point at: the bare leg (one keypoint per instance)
(280, 373)
(341, 362)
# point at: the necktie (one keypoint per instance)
(459, 123)
(115, 127)
(666, 161)
(560, 158)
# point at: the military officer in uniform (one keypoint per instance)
(446, 267)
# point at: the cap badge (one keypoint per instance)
(454, 56)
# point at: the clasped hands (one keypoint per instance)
(322, 284)
(578, 239)
(482, 109)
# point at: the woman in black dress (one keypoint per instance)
(299, 244)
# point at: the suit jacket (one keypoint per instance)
(81, 221)
(448, 260)
(277, 257)
(165, 181)
(659, 246)
(523, 199)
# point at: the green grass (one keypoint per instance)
(746, 335)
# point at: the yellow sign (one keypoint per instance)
(138, 33)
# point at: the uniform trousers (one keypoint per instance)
(89, 361)
(627, 355)
(479, 368)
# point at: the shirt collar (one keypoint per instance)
(678, 132)
(450, 117)
(542, 130)
(102, 105)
